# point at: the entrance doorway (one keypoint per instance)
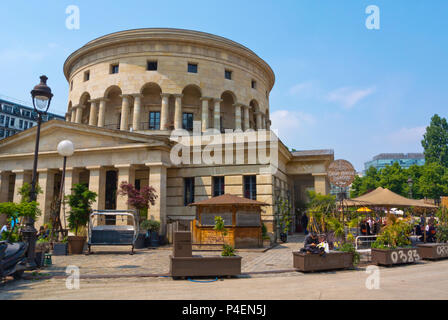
(111, 195)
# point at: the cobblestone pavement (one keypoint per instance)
(111, 261)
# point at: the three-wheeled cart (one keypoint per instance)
(104, 230)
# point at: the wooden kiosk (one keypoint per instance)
(242, 218)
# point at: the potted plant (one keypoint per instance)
(80, 202)
(60, 248)
(393, 245)
(284, 217)
(140, 199)
(42, 247)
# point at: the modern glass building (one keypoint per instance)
(15, 118)
(405, 160)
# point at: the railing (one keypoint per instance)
(364, 242)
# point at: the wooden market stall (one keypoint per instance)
(242, 218)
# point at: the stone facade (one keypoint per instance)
(120, 117)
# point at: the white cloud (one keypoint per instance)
(407, 135)
(348, 97)
(286, 121)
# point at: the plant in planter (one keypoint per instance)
(264, 236)
(349, 247)
(442, 226)
(139, 199)
(227, 250)
(284, 217)
(80, 202)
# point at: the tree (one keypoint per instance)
(139, 199)
(433, 182)
(370, 181)
(80, 202)
(435, 141)
(394, 178)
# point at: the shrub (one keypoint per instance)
(227, 250)
(394, 235)
(349, 247)
(80, 202)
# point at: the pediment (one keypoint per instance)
(82, 136)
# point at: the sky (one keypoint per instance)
(339, 85)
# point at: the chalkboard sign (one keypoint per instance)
(208, 219)
(247, 219)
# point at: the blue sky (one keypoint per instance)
(338, 85)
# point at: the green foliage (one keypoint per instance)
(433, 181)
(394, 235)
(349, 247)
(435, 141)
(25, 191)
(370, 181)
(227, 250)
(150, 225)
(284, 214)
(80, 202)
(335, 225)
(442, 227)
(28, 209)
(320, 209)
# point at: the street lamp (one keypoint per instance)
(410, 183)
(65, 149)
(41, 95)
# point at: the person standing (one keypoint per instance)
(305, 223)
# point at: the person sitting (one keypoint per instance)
(430, 233)
(311, 244)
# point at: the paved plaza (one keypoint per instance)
(112, 273)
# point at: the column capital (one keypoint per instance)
(18, 171)
(94, 100)
(245, 106)
(123, 166)
(136, 95)
(157, 164)
(94, 168)
(125, 96)
(217, 100)
(165, 95)
(178, 95)
(237, 104)
(103, 99)
(71, 169)
(206, 98)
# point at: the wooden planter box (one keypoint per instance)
(198, 266)
(309, 262)
(433, 251)
(389, 257)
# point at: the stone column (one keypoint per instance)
(71, 178)
(164, 112)
(204, 119)
(125, 173)
(258, 115)
(136, 118)
(68, 116)
(73, 114)
(102, 112)
(237, 116)
(93, 116)
(46, 183)
(21, 178)
(124, 112)
(79, 114)
(4, 185)
(246, 118)
(178, 112)
(97, 183)
(321, 184)
(217, 114)
(157, 180)
(4, 192)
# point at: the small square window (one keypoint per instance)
(193, 67)
(114, 68)
(254, 84)
(87, 76)
(152, 66)
(228, 74)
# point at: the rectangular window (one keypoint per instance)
(87, 76)
(31, 124)
(187, 121)
(218, 186)
(188, 191)
(250, 187)
(21, 124)
(254, 84)
(193, 67)
(25, 125)
(2, 119)
(151, 66)
(7, 134)
(13, 120)
(154, 121)
(228, 74)
(2, 133)
(114, 68)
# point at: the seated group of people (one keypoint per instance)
(314, 244)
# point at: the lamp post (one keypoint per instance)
(41, 95)
(410, 183)
(65, 149)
